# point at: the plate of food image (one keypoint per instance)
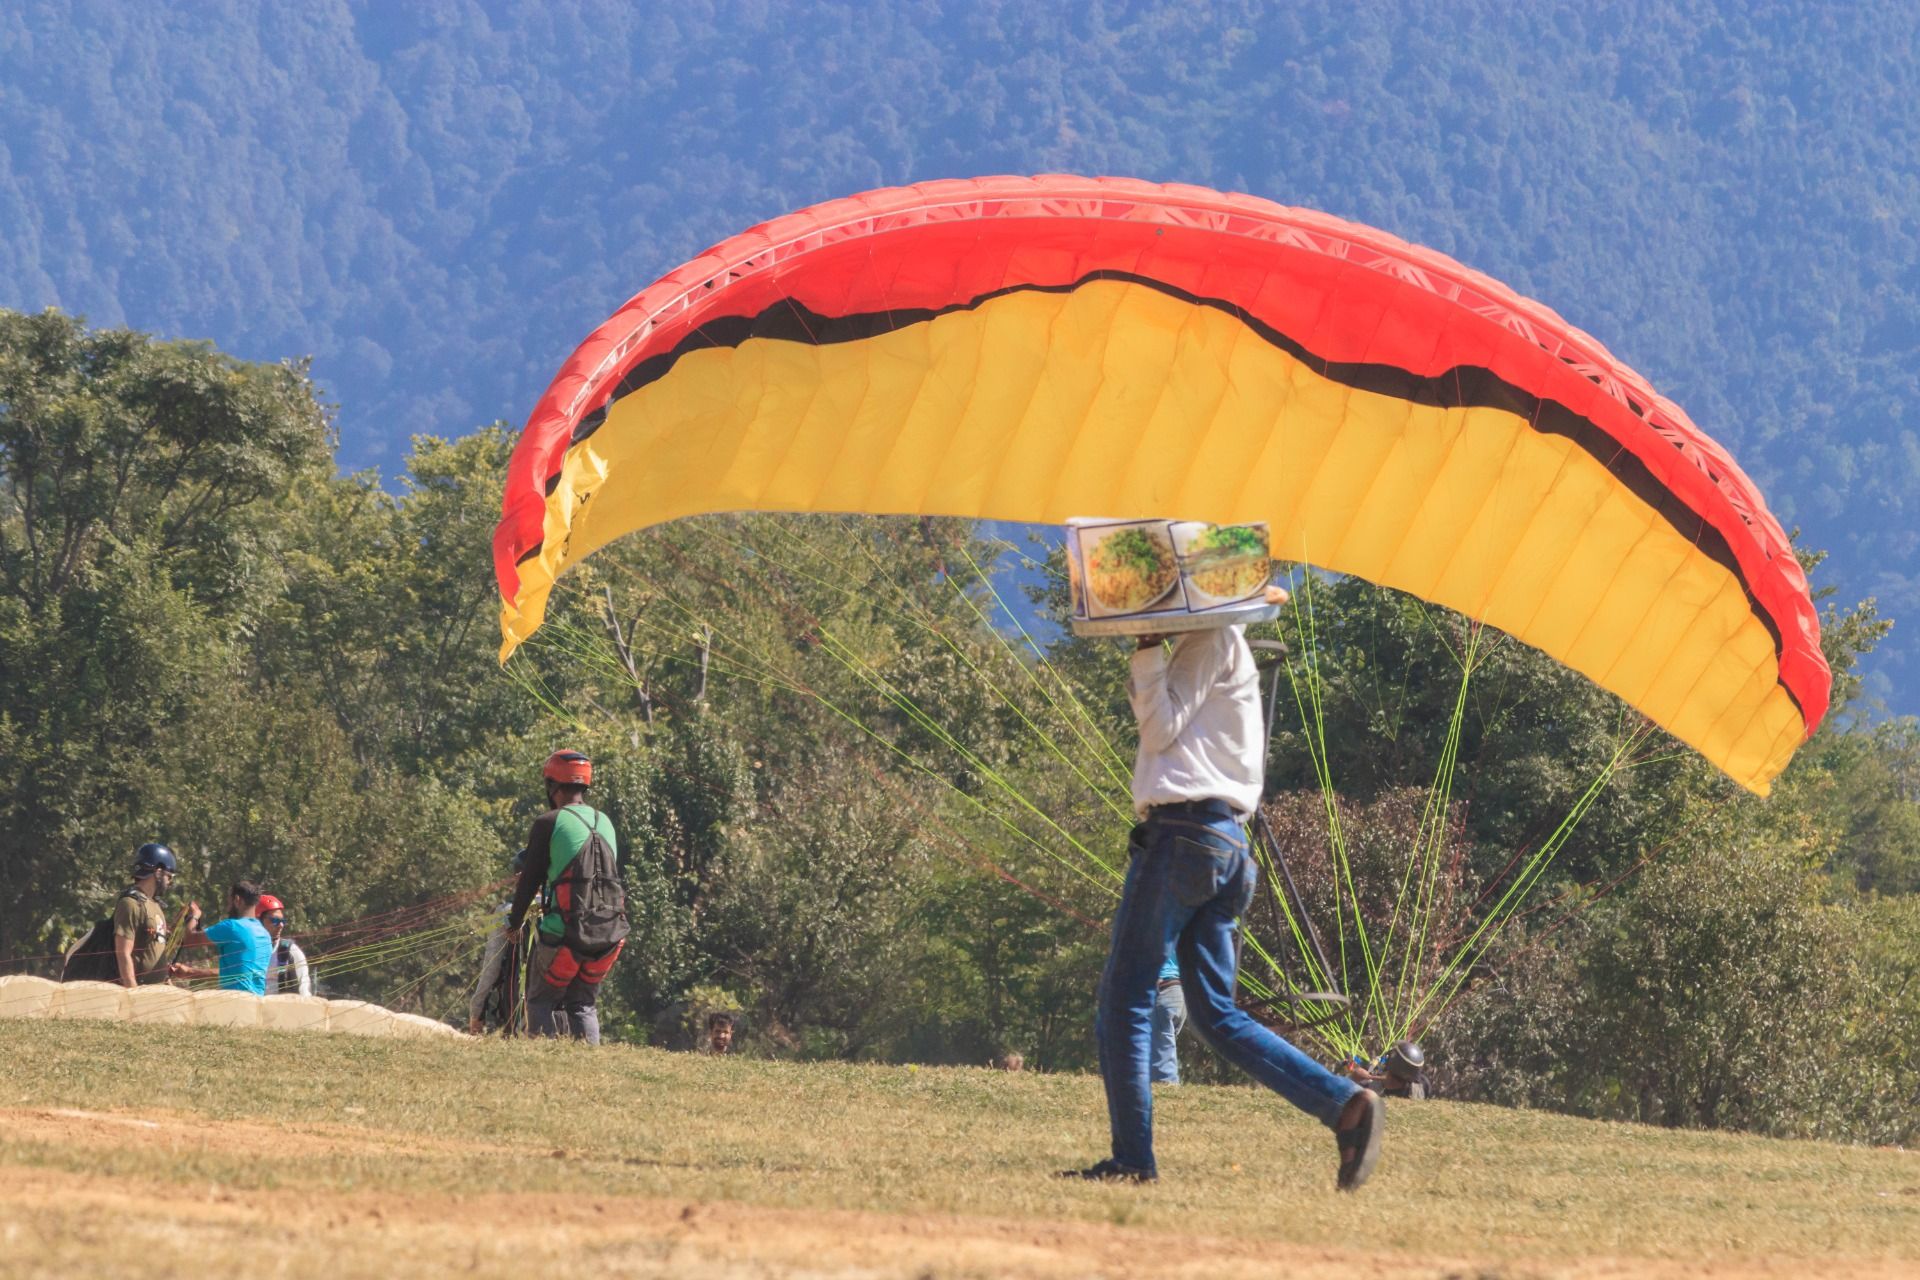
(1224, 563)
(1131, 569)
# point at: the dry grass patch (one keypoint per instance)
(472, 1153)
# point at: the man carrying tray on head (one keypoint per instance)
(1190, 876)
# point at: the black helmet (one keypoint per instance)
(1405, 1061)
(149, 858)
(519, 862)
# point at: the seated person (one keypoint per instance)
(1401, 1072)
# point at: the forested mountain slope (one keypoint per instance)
(437, 200)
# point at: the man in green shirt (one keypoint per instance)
(572, 860)
(139, 925)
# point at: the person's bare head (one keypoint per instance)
(243, 899)
(1011, 1060)
(720, 1032)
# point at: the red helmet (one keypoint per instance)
(269, 905)
(569, 769)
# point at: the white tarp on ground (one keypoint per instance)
(23, 996)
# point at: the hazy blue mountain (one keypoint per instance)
(437, 200)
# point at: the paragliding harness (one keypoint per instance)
(504, 1007)
(1269, 844)
(92, 958)
(591, 901)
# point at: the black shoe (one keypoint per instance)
(1110, 1171)
(1360, 1144)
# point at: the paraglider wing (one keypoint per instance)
(1029, 349)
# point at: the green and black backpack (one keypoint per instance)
(589, 894)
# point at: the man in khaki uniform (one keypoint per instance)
(139, 925)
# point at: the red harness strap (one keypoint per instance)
(567, 967)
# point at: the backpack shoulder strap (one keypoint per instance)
(592, 828)
(139, 897)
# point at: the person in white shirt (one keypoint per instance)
(287, 969)
(1196, 780)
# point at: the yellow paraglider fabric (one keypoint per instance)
(1509, 498)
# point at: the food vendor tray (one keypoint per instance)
(1139, 577)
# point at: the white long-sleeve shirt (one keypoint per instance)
(288, 955)
(1201, 735)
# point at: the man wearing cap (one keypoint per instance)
(1197, 778)
(573, 858)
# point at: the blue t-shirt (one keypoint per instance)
(245, 951)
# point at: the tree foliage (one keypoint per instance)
(138, 548)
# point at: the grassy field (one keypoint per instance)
(142, 1151)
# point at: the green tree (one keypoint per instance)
(1727, 986)
(139, 544)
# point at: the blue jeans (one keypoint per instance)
(1190, 876)
(1169, 1017)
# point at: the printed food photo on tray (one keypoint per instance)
(1222, 564)
(1131, 568)
(1156, 577)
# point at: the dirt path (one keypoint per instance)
(56, 1223)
